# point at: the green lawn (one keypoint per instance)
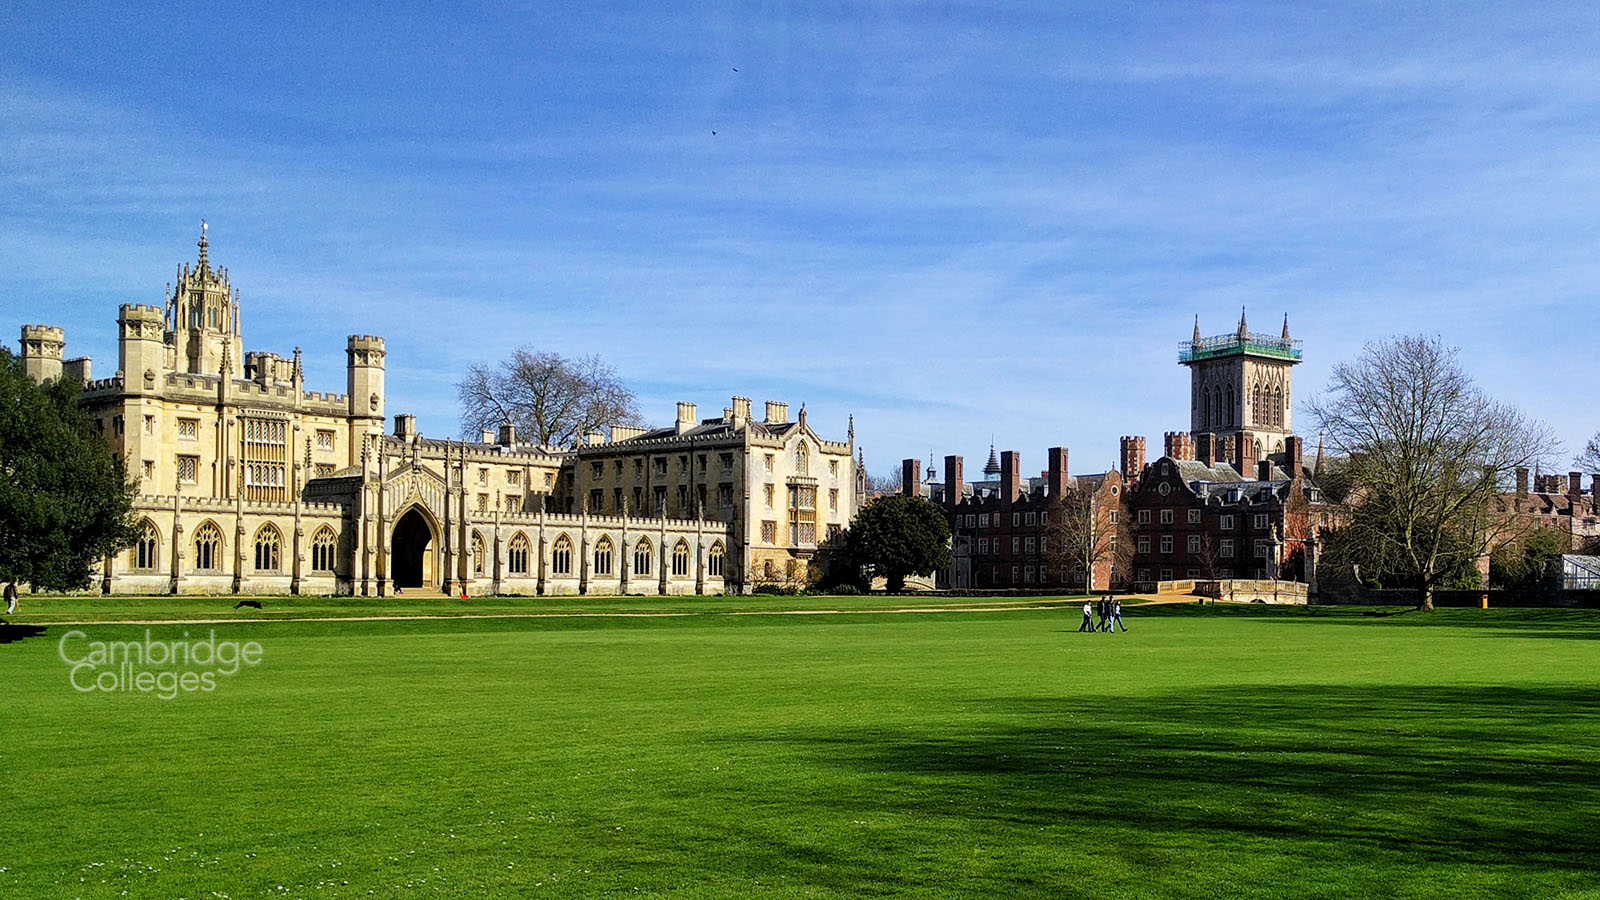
(45, 609)
(1217, 752)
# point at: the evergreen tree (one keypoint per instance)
(898, 536)
(65, 499)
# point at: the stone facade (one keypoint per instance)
(249, 483)
(781, 491)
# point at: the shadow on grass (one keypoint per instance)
(1347, 776)
(10, 632)
(1382, 617)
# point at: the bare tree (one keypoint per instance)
(1426, 454)
(887, 484)
(551, 399)
(1082, 535)
(1210, 559)
(1589, 459)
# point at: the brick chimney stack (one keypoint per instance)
(1293, 448)
(1522, 481)
(954, 481)
(909, 480)
(1574, 485)
(1056, 474)
(1263, 470)
(1205, 448)
(1010, 477)
(1178, 445)
(1132, 457)
(1244, 453)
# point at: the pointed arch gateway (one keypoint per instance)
(414, 551)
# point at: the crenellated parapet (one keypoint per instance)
(42, 349)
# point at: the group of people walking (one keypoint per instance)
(1109, 609)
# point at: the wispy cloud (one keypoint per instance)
(951, 220)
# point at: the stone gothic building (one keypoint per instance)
(249, 483)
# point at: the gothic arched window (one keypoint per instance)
(680, 558)
(602, 556)
(147, 551)
(642, 556)
(802, 462)
(269, 544)
(561, 556)
(477, 555)
(517, 554)
(324, 548)
(714, 560)
(208, 548)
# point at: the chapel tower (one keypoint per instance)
(203, 319)
(1240, 390)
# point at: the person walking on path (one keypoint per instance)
(1088, 617)
(1116, 617)
(1103, 610)
(11, 597)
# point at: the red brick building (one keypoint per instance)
(1007, 532)
(1202, 518)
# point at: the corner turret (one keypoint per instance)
(42, 346)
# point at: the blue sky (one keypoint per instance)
(950, 219)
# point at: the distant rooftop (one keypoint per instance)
(1250, 344)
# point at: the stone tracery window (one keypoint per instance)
(269, 544)
(207, 548)
(517, 555)
(603, 553)
(680, 558)
(714, 560)
(324, 549)
(642, 553)
(146, 552)
(561, 556)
